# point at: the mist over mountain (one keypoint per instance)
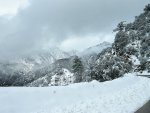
(66, 24)
(130, 52)
(74, 56)
(95, 49)
(41, 64)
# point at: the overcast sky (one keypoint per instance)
(31, 25)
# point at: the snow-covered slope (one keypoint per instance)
(95, 49)
(58, 53)
(29, 63)
(27, 68)
(61, 78)
(89, 56)
(37, 69)
(37, 60)
(130, 51)
(73, 52)
(122, 95)
(43, 58)
(65, 79)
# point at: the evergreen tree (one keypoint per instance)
(120, 27)
(147, 8)
(77, 69)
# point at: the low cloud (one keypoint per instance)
(64, 23)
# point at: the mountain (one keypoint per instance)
(40, 59)
(58, 53)
(60, 72)
(23, 70)
(89, 55)
(95, 49)
(60, 78)
(73, 52)
(130, 51)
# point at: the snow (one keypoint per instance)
(143, 73)
(135, 60)
(58, 79)
(122, 95)
(28, 62)
(95, 49)
(65, 79)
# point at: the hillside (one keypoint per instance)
(130, 51)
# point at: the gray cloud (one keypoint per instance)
(54, 21)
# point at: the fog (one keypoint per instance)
(66, 24)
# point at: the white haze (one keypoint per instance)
(34, 25)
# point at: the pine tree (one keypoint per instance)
(120, 27)
(77, 69)
(147, 8)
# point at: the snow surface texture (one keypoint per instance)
(122, 95)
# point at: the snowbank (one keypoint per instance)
(123, 95)
(143, 73)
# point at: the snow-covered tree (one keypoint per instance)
(147, 8)
(77, 68)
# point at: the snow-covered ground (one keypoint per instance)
(146, 73)
(123, 95)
